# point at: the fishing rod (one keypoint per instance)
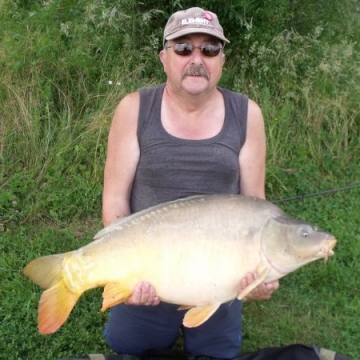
(350, 187)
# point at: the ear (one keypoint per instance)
(163, 58)
(223, 58)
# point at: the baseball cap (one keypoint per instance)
(191, 21)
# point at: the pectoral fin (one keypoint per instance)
(199, 314)
(262, 270)
(114, 293)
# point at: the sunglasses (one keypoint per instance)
(185, 49)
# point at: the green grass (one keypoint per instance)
(19, 338)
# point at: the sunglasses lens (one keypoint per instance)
(183, 49)
(210, 50)
(187, 49)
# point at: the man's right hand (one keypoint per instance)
(144, 294)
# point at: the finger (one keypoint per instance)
(247, 280)
(135, 298)
(272, 286)
(152, 299)
(251, 276)
(152, 292)
(148, 295)
(145, 293)
(156, 301)
(263, 291)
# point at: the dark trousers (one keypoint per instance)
(137, 329)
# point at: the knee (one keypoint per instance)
(219, 337)
(136, 330)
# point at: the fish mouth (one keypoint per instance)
(328, 249)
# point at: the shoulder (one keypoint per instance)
(128, 107)
(255, 116)
(255, 131)
(129, 101)
(254, 108)
(254, 113)
(125, 117)
(236, 104)
(253, 154)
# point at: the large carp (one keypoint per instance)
(194, 251)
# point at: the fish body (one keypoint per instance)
(194, 251)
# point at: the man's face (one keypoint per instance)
(194, 73)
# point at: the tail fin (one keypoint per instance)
(57, 302)
(55, 307)
(45, 271)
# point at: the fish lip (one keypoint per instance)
(327, 249)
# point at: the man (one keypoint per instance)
(182, 138)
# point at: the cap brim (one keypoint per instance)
(188, 31)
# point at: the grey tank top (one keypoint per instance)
(170, 168)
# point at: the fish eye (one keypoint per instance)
(305, 232)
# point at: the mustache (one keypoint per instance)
(195, 70)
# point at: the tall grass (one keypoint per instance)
(64, 65)
(307, 88)
(309, 84)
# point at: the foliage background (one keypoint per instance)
(65, 64)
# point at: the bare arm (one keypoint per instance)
(252, 173)
(252, 155)
(121, 160)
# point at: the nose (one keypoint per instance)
(196, 56)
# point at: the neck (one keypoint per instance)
(190, 102)
(192, 117)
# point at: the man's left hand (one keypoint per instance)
(261, 292)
